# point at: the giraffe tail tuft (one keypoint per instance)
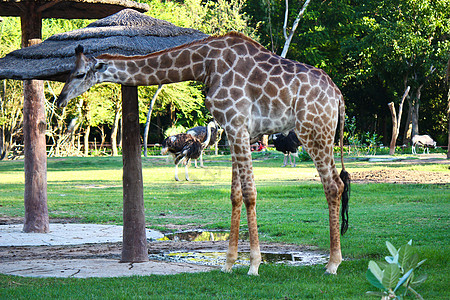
(345, 177)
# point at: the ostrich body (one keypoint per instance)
(424, 141)
(185, 147)
(200, 132)
(288, 145)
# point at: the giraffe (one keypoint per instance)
(250, 92)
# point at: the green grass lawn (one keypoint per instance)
(290, 209)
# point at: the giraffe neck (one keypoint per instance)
(174, 65)
(198, 61)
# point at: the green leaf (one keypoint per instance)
(420, 263)
(382, 265)
(375, 269)
(390, 276)
(376, 294)
(374, 281)
(410, 263)
(405, 257)
(391, 259)
(391, 249)
(403, 279)
(420, 279)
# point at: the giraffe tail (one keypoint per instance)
(345, 176)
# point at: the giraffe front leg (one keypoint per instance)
(255, 253)
(244, 164)
(236, 201)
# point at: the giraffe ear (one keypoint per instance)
(79, 49)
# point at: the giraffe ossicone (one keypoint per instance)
(251, 92)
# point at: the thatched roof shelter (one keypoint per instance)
(127, 32)
(70, 9)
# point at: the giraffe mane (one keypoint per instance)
(197, 42)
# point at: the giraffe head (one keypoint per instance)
(87, 72)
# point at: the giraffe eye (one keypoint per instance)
(80, 76)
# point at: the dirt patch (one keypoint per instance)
(400, 176)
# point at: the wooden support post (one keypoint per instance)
(134, 235)
(34, 126)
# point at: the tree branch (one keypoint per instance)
(149, 115)
(294, 27)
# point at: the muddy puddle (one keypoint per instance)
(217, 258)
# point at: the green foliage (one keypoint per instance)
(211, 17)
(174, 130)
(359, 142)
(370, 50)
(396, 277)
(304, 156)
(10, 35)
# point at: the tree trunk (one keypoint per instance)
(114, 130)
(394, 128)
(448, 108)
(134, 235)
(36, 212)
(415, 112)
(407, 131)
(448, 118)
(149, 116)
(102, 136)
(86, 140)
(396, 121)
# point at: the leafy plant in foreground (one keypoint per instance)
(396, 276)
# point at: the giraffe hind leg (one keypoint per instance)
(322, 155)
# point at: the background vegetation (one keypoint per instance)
(371, 49)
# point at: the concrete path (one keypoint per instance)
(77, 234)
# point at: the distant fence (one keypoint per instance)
(95, 149)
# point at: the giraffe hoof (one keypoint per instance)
(226, 270)
(329, 274)
(253, 271)
(331, 270)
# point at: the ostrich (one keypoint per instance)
(288, 145)
(422, 140)
(200, 132)
(185, 147)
